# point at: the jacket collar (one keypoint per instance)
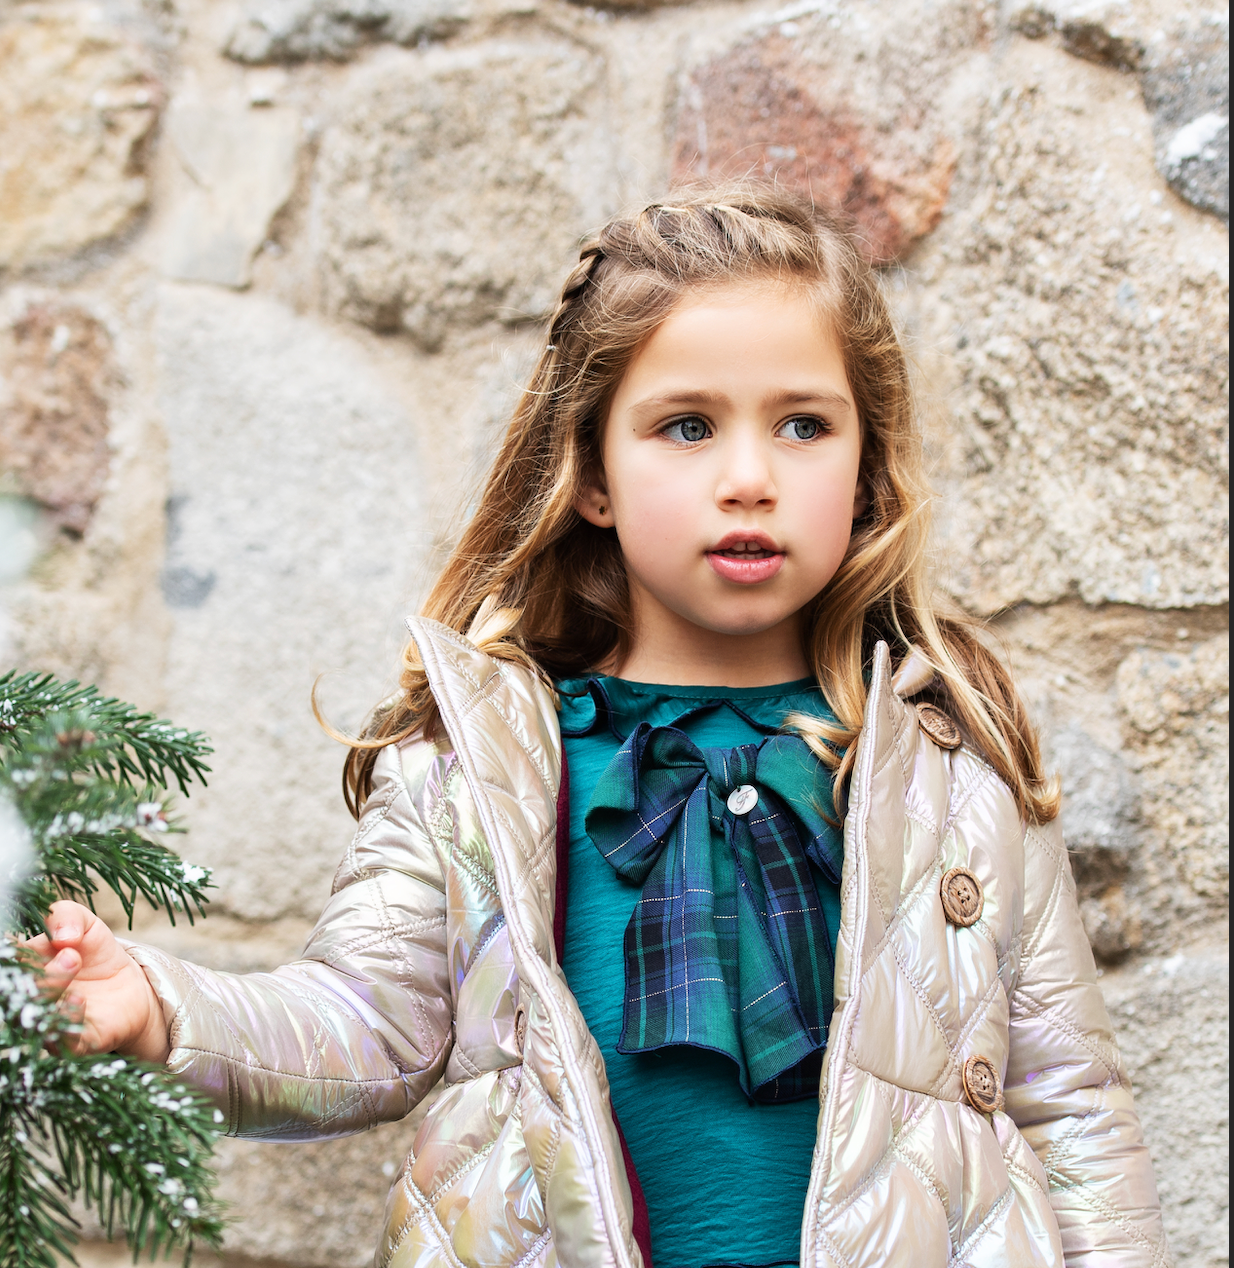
(503, 728)
(494, 711)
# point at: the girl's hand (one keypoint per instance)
(93, 973)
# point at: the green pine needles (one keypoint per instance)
(85, 779)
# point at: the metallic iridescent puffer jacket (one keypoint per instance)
(434, 963)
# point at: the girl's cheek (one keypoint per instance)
(656, 500)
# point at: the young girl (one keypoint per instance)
(600, 904)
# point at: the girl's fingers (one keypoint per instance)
(66, 923)
(59, 972)
(64, 964)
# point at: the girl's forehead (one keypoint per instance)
(794, 297)
(770, 312)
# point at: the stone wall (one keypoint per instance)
(270, 275)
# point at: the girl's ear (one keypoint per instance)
(593, 505)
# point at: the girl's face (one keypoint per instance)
(731, 455)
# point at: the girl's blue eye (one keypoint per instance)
(688, 430)
(802, 429)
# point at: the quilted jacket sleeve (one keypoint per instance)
(1066, 1087)
(356, 1031)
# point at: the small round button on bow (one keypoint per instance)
(742, 800)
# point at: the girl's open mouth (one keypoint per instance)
(747, 560)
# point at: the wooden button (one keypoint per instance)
(963, 897)
(981, 1085)
(938, 726)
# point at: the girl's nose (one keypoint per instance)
(745, 477)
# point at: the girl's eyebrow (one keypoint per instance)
(829, 400)
(700, 396)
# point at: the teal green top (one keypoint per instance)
(690, 1129)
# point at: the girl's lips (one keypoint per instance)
(746, 572)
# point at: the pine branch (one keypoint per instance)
(89, 820)
(132, 746)
(132, 1143)
(98, 833)
(36, 1227)
(88, 777)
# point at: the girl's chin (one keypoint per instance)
(740, 620)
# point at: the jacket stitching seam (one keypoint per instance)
(1029, 1007)
(1017, 1168)
(440, 823)
(534, 1079)
(825, 1240)
(979, 1014)
(900, 743)
(533, 860)
(392, 932)
(375, 938)
(401, 1077)
(1062, 1147)
(963, 790)
(884, 761)
(874, 1175)
(530, 871)
(484, 692)
(894, 926)
(470, 1163)
(919, 990)
(923, 821)
(475, 871)
(399, 948)
(927, 1181)
(955, 1046)
(1057, 888)
(379, 814)
(1083, 1193)
(534, 1249)
(537, 856)
(466, 1062)
(429, 1215)
(983, 1229)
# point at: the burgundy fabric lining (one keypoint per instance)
(642, 1222)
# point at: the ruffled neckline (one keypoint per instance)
(601, 703)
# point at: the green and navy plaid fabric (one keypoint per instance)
(728, 947)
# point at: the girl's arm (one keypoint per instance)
(356, 1031)
(1066, 1086)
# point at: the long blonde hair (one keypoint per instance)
(532, 582)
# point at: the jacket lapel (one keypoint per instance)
(503, 728)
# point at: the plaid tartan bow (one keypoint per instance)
(728, 946)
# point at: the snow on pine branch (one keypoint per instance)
(84, 806)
